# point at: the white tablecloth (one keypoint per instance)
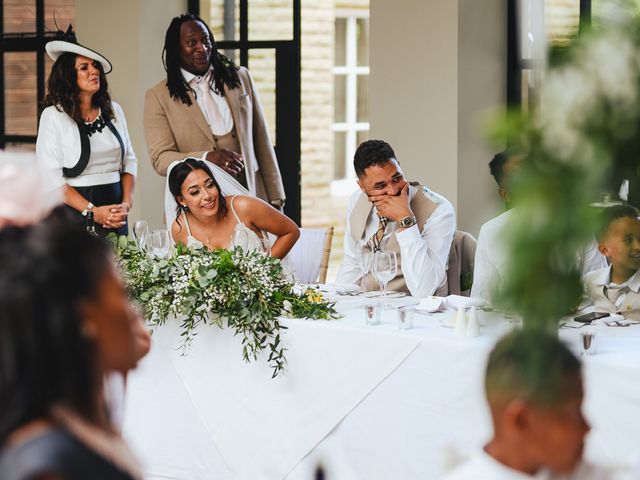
(365, 402)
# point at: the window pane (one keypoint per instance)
(562, 18)
(60, 13)
(20, 93)
(262, 65)
(223, 18)
(363, 41)
(19, 16)
(340, 98)
(363, 98)
(340, 43)
(339, 155)
(270, 19)
(362, 136)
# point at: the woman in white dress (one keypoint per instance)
(205, 217)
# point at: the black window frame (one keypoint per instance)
(23, 42)
(516, 64)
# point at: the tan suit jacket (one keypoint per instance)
(174, 131)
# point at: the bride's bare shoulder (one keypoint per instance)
(245, 203)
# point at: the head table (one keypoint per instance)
(365, 402)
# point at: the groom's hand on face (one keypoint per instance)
(394, 207)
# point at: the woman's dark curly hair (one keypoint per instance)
(225, 72)
(63, 91)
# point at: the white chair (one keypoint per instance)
(309, 257)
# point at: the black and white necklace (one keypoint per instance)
(97, 125)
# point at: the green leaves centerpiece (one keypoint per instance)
(245, 291)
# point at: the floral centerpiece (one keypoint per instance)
(246, 291)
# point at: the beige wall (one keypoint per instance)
(131, 35)
(481, 91)
(437, 67)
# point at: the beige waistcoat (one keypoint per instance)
(422, 208)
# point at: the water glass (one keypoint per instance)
(385, 266)
(140, 233)
(372, 314)
(405, 318)
(160, 243)
(364, 258)
(588, 342)
(240, 239)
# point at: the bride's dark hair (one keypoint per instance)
(177, 177)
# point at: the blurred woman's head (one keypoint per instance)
(65, 320)
(72, 75)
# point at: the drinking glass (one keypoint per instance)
(372, 314)
(160, 243)
(405, 318)
(363, 257)
(140, 233)
(385, 266)
(240, 239)
(588, 342)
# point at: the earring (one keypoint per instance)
(184, 207)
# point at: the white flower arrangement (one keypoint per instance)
(246, 291)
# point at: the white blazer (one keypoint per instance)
(58, 146)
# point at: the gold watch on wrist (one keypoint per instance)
(408, 221)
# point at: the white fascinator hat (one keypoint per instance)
(66, 42)
(22, 200)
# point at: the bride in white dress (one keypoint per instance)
(206, 215)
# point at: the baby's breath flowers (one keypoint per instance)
(246, 291)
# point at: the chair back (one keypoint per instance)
(461, 262)
(309, 257)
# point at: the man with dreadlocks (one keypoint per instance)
(208, 108)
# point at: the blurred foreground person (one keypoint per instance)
(65, 323)
(534, 390)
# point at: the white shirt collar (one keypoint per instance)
(188, 76)
(604, 279)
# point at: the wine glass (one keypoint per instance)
(385, 266)
(240, 238)
(363, 257)
(160, 243)
(140, 233)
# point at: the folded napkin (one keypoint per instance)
(458, 301)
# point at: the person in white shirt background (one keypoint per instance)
(533, 385)
(83, 145)
(418, 223)
(491, 250)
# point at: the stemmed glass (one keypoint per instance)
(160, 243)
(363, 257)
(140, 233)
(240, 239)
(385, 266)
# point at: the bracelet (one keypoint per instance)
(278, 202)
(87, 209)
(127, 204)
